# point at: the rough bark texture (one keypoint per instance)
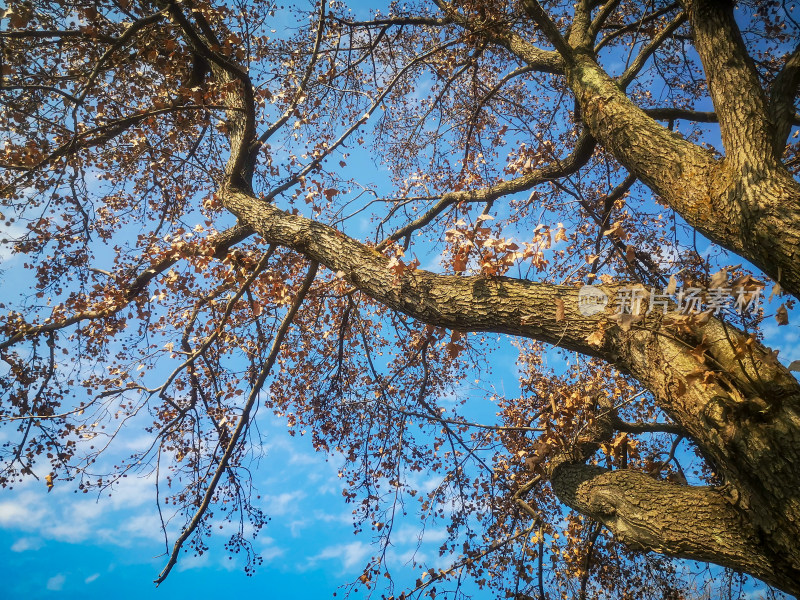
(687, 522)
(745, 205)
(741, 409)
(744, 413)
(747, 202)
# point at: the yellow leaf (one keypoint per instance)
(672, 286)
(596, 338)
(559, 310)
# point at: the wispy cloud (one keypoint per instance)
(64, 517)
(193, 562)
(351, 555)
(271, 553)
(7, 234)
(414, 535)
(283, 504)
(19, 513)
(27, 543)
(56, 583)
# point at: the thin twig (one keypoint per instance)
(243, 423)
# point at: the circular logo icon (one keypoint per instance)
(591, 300)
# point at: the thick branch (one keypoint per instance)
(685, 114)
(782, 100)
(620, 425)
(545, 61)
(241, 120)
(560, 168)
(539, 16)
(394, 21)
(477, 303)
(680, 172)
(733, 84)
(752, 210)
(685, 522)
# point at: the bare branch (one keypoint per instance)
(636, 66)
(127, 35)
(45, 88)
(220, 245)
(301, 87)
(560, 168)
(395, 21)
(618, 31)
(242, 424)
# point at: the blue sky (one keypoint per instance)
(69, 545)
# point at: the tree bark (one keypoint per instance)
(742, 409)
(747, 201)
(743, 413)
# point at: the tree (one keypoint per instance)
(155, 157)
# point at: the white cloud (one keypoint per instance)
(145, 526)
(415, 535)
(271, 553)
(193, 562)
(18, 513)
(283, 503)
(133, 491)
(352, 555)
(304, 459)
(27, 543)
(91, 578)
(8, 233)
(63, 516)
(296, 526)
(229, 563)
(77, 525)
(287, 449)
(409, 557)
(56, 583)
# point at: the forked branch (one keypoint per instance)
(242, 424)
